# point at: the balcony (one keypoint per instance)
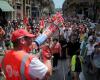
(28, 2)
(18, 1)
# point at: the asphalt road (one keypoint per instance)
(61, 72)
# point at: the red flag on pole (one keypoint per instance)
(42, 24)
(25, 20)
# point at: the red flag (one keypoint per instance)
(54, 18)
(42, 24)
(25, 20)
(57, 18)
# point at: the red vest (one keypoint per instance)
(15, 65)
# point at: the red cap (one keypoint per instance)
(20, 33)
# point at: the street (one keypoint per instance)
(61, 72)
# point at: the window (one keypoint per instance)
(19, 0)
(18, 7)
(27, 1)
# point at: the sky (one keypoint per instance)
(58, 3)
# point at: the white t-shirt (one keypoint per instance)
(66, 35)
(37, 69)
(90, 49)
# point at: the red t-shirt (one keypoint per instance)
(56, 48)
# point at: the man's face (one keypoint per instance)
(28, 40)
(27, 43)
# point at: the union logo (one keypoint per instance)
(9, 70)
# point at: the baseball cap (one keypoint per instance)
(20, 33)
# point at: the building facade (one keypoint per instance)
(42, 8)
(30, 8)
(88, 8)
(22, 8)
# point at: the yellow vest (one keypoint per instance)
(73, 62)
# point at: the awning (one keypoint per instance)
(5, 6)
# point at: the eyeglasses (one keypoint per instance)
(25, 37)
(28, 38)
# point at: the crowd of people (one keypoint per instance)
(25, 58)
